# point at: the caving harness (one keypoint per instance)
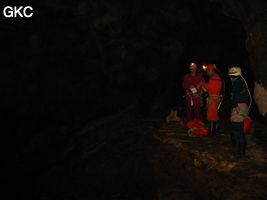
(216, 96)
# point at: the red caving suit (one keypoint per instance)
(213, 88)
(193, 95)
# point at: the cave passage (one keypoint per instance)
(90, 84)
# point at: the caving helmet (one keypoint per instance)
(209, 66)
(193, 65)
(234, 71)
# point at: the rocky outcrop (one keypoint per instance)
(260, 97)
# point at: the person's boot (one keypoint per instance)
(236, 144)
(216, 127)
(237, 149)
(211, 128)
(233, 140)
(243, 147)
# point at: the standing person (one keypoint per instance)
(239, 111)
(213, 88)
(192, 84)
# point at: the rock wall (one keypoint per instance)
(78, 61)
(260, 97)
(253, 15)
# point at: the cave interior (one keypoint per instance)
(84, 77)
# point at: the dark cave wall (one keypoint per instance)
(253, 15)
(78, 61)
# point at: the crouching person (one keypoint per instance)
(239, 111)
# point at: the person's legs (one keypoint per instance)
(216, 129)
(188, 108)
(239, 139)
(196, 108)
(211, 127)
(212, 115)
(233, 138)
(242, 141)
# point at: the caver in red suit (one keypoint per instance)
(213, 88)
(192, 83)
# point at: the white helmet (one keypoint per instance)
(234, 71)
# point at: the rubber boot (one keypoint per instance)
(239, 146)
(216, 129)
(235, 144)
(233, 139)
(242, 146)
(211, 128)
(237, 149)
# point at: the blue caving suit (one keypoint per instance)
(239, 112)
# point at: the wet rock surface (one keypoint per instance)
(125, 158)
(208, 170)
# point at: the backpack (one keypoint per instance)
(197, 127)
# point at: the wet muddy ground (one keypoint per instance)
(125, 158)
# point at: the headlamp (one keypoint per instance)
(204, 67)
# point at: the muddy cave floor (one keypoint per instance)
(124, 158)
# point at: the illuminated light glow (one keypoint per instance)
(204, 67)
(192, 64)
